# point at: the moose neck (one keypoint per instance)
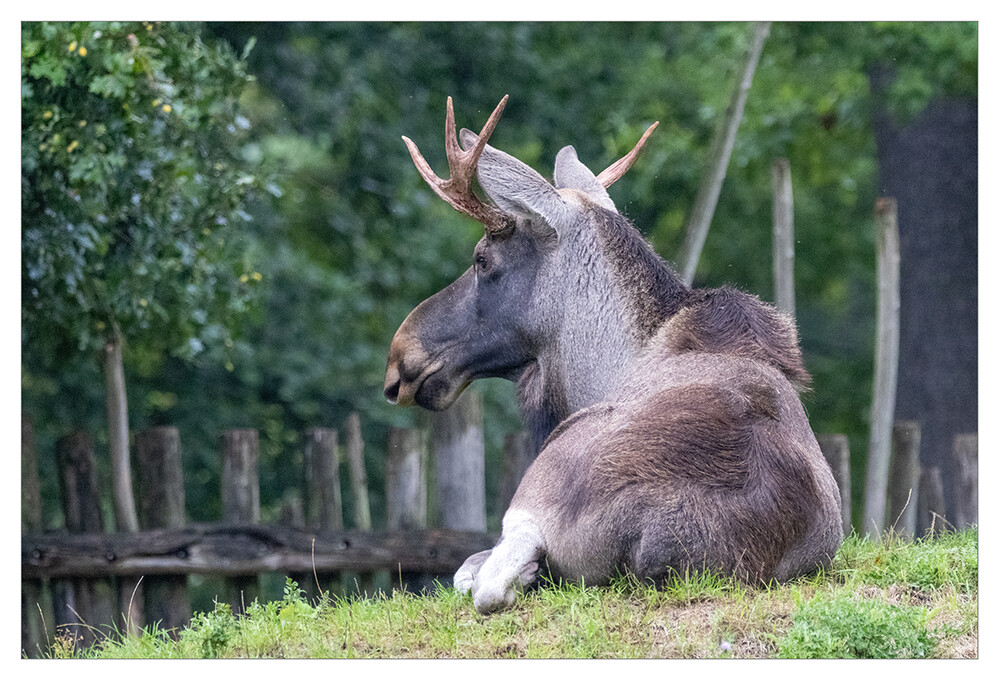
(615, 293)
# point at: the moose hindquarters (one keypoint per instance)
(700, 476)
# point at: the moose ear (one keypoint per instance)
(515, 187)
(570, 173)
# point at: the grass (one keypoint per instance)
(879, 599)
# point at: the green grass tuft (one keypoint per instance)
(843, 626)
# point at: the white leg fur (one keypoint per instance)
(512, 564)
(465, 576)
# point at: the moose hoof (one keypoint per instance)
(500, 594)
(465, 576)
(488, 600)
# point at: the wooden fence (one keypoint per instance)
(83, 581)
(914, 498)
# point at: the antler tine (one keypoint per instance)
(487, 129)
(457, 189)
(614, 172)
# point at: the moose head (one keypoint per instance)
(528, 297)
(667, 420)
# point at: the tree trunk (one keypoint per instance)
(117, 403)
(721, 151)
(783, 235)
(885, 368)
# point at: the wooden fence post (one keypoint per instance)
(406, 492)
(516, 459)
(932, 507)
(358, 474)
(406, 480)
(81, 605)
(966, 483)
(33, 605)
(323, 502)
(161, 506)
(323, 499)
(361, 507)
(783, 235)
(460, 464)
(241, 500)
(886, 366)
(836, 449)
(903, 483)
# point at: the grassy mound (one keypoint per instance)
(879, 599)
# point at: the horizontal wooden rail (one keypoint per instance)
(236, 549)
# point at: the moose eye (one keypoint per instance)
(481, 263)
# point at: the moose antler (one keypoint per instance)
(457, 189)
(614, 172)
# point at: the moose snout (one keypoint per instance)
(407, 362)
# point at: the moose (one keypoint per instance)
(668, 424)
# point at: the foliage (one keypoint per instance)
(347, 239)
(213, 631)
(843, 626)
(132, 188)
(841, 612)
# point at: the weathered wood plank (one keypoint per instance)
(406, 480)
(33, 605)
(836, 449)
(324, 505)
(460, 464)
(903, 481)
(932, 509)
(81, 606)
(966, 484)
(241, 501)
(160, 478)
(358, 474)
(235, 550)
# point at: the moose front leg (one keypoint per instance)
(510, 566)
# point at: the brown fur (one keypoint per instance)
(699, 477)
(728, 321)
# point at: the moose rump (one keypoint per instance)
(693, 477)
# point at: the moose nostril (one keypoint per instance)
(392, 392)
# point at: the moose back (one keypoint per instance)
(670, 432)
